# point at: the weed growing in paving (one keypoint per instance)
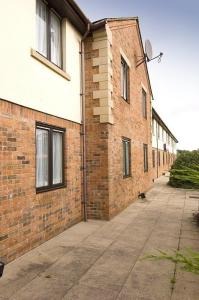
(188, 259)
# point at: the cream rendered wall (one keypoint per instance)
(171, 147)
(26, 81)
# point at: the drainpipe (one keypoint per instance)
(83, 127)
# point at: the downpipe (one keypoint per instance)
(83, 125)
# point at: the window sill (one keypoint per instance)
(49, 64)
(125, 100)
(50, 189)
(127, 176)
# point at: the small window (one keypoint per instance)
(163, 135)
(153, 127)
(48, 33)
(159, 158)
(124, 80)
(153, 158)
(159, 130)
(126, 143)
(144, 104)
(145, 147)
(49, 157)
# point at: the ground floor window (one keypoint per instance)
(153, 158)
(49, 157)
(126, 144)
(145, 148)
(159, 158)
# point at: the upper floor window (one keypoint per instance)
(124, 79)
(163, 134)
(126, 143)
(49, 157)
(144, 104)
(48, 33)
(159, 131)
(153, 127)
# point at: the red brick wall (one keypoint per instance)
(128, 121)
(28, 219)
(108, 191)
(97, 146)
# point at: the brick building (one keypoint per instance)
(40, 122)
(118, 114)
(75, 120)
(164, 146)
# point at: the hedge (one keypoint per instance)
(185, 170)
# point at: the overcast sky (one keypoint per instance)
(173, 28)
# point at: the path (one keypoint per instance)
(101, 260)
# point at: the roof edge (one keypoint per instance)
(157, 117)
(102, 22)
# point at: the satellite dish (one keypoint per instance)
(148, 50)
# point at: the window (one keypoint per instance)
(144, 104)
(163, 134)
(145, 147)
(126, 143)
(153, 127)
(124, 79)
(48, 33)
(159, 158)
(49, 157)
(158, 127)
(153, 158)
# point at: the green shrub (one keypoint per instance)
(185, 170)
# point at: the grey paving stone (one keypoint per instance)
(110, 271)
(82, 292)
(20, 272)
(185, 290)
(147, 286)
(101, 260)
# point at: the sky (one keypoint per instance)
(172, 26)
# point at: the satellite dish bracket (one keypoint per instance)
(148, 55)
(146, 59)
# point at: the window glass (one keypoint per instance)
(48, 33)
(42, 157)
(144, 104)
(124, 79)
(57, 157)
(55, 31)
(126, 157)
(41, 21)
(145, 147)
(49, 157)
(153, 158)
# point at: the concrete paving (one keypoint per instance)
(102, 260)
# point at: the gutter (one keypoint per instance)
(83, 126)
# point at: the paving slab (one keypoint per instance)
(101, 260)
